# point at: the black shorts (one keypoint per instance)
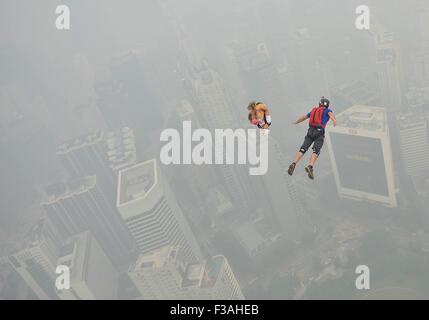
(315, 136)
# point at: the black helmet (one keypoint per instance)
(324, 102)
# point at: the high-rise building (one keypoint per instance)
(36, 261)
(200, 178)
(125, 96)
(414, 142)
(212, 104)
(282, 205)
(361, 155)
(215, 107)
(92, 274)
(285, 203)
(351, 93)
(163, 275)
(78, 205)
(421, 64)
(304, 65)
(101, 153)
(388, 62)
(423, 21)
(121, 149)
(256, 236)
(211, 95)
(87, 156)
(150, 210)
(418, 97)
(159, 274)
(261, 75)
(422, 54)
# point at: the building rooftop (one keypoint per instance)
(82, 141)
(385, 55)
(121, 148)
(356, 91)
(421, 184)
(88, 264)
(203, 274)
(64, 190)
(184, 108)
(135, 182)
(411, 119)
(42, 230)
(206, 77)
(156, 259)
(363, 117)
(125, 57)
(194, 274)
(251, 56)
(36, 231)
(249, 237)
(216, 198)
(385, 47)
(212, 270)
(254, 235)
(385, 37)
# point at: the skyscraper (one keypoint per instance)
(414, 142)
(215, 108)
(353, 92)
(92, 274)
(121, 149)
(78, 205)
(388, 62)
(260, 73)
(126, 96)
(197, 179)
(36, 261)
(150, 210)
(361, 155)
(212, 103)
(159, 274)
(303, 64)
(285, 202)
(87, 156)
(163, 275)
(211, 95)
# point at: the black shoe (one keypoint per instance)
(309, 170)
(291, 168)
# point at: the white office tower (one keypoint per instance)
(361, 155)
(414, 141)
(164, 275)
(92, 274)
(36, 261)
(388, 69)
(151, 212)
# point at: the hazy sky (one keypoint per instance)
(49, 81)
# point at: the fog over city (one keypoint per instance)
(82, 185)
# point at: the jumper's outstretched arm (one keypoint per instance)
(301, 119)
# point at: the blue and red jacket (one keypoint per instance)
(319, 117)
